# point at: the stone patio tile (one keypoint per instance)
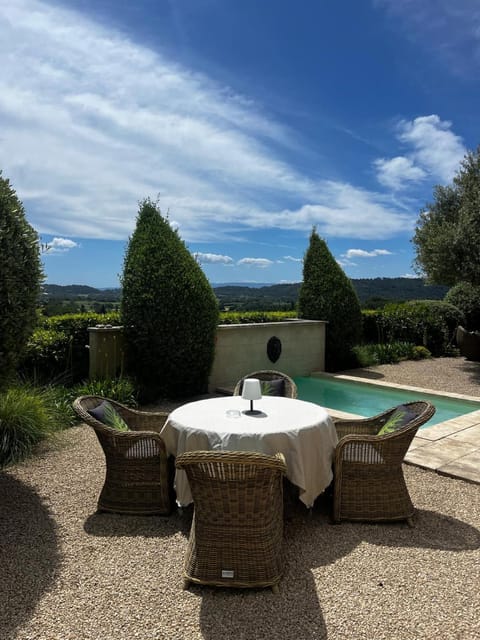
(442, 429)
(470, 435)
(418, 441)
(467, 467)
(439, 454)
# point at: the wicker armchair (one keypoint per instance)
(267, 375)
(139, 477)
(237, 529)
(368, 477)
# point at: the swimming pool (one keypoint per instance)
(368, 399)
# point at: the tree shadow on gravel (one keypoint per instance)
(103, 524)
(472, 369)
(29, 553)
(312, 542)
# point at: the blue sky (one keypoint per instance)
(252, 121)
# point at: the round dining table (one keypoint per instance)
(302, 431)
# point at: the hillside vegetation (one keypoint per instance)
(372, 292)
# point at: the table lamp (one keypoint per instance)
(251, 390)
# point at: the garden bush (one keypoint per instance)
(327, 294)
(57, 348)
(248, 317)
(168, 310)
(20, 278)
(386, 353)
(120, 389)
(428, 323)
(466, 297)
(27, 416)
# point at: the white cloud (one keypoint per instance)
(343, 211)
(212, 258)
(412, 276)
(93, 122)
(256, 262)
(397, 172)
(292, 259)
(60, 245)
(360, 253)
(435, 146)
(435, 151)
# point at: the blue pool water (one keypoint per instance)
(368, 400)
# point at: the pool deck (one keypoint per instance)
(450, 448)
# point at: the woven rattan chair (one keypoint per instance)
(290, 390)
(237, 529)
(368, 477)
(139, 477)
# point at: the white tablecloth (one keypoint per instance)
(302, 431)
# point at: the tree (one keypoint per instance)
(466, 297)
(328, 294)
(21, 276)
(169, 311)
(447, 235)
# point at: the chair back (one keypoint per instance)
(237, 530)
(422, 411)
(395, 445)
(266, 375)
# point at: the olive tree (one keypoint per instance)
(21, 276)
(327, 294)
(169, 311)
(447, 234)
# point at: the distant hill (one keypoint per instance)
(277, 296)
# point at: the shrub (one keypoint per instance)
(327, 294)
(119, 389)
(47, 355)
(58, 346)
(20, 278)
(27, 416)
(420, 353)
(169, 311)
(248, 317)
(466, 297)
(384, 353)
(430, 323)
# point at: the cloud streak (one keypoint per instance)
(94, 122)
(361, 253)
(450, 31)
(212, 258)
(256, 262)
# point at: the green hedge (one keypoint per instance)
(58, 346)
(249, 317)
(428, 323)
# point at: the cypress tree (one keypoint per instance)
(21, 276)
(169, 311)
(328, 294)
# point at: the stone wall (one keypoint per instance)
(241, 348)
(299, 346)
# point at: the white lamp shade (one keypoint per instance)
(251, 389)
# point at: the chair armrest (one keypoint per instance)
(365, 427)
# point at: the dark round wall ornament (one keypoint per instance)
(274, 349)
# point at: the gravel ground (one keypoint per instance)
(68, 573)
(455, 375)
